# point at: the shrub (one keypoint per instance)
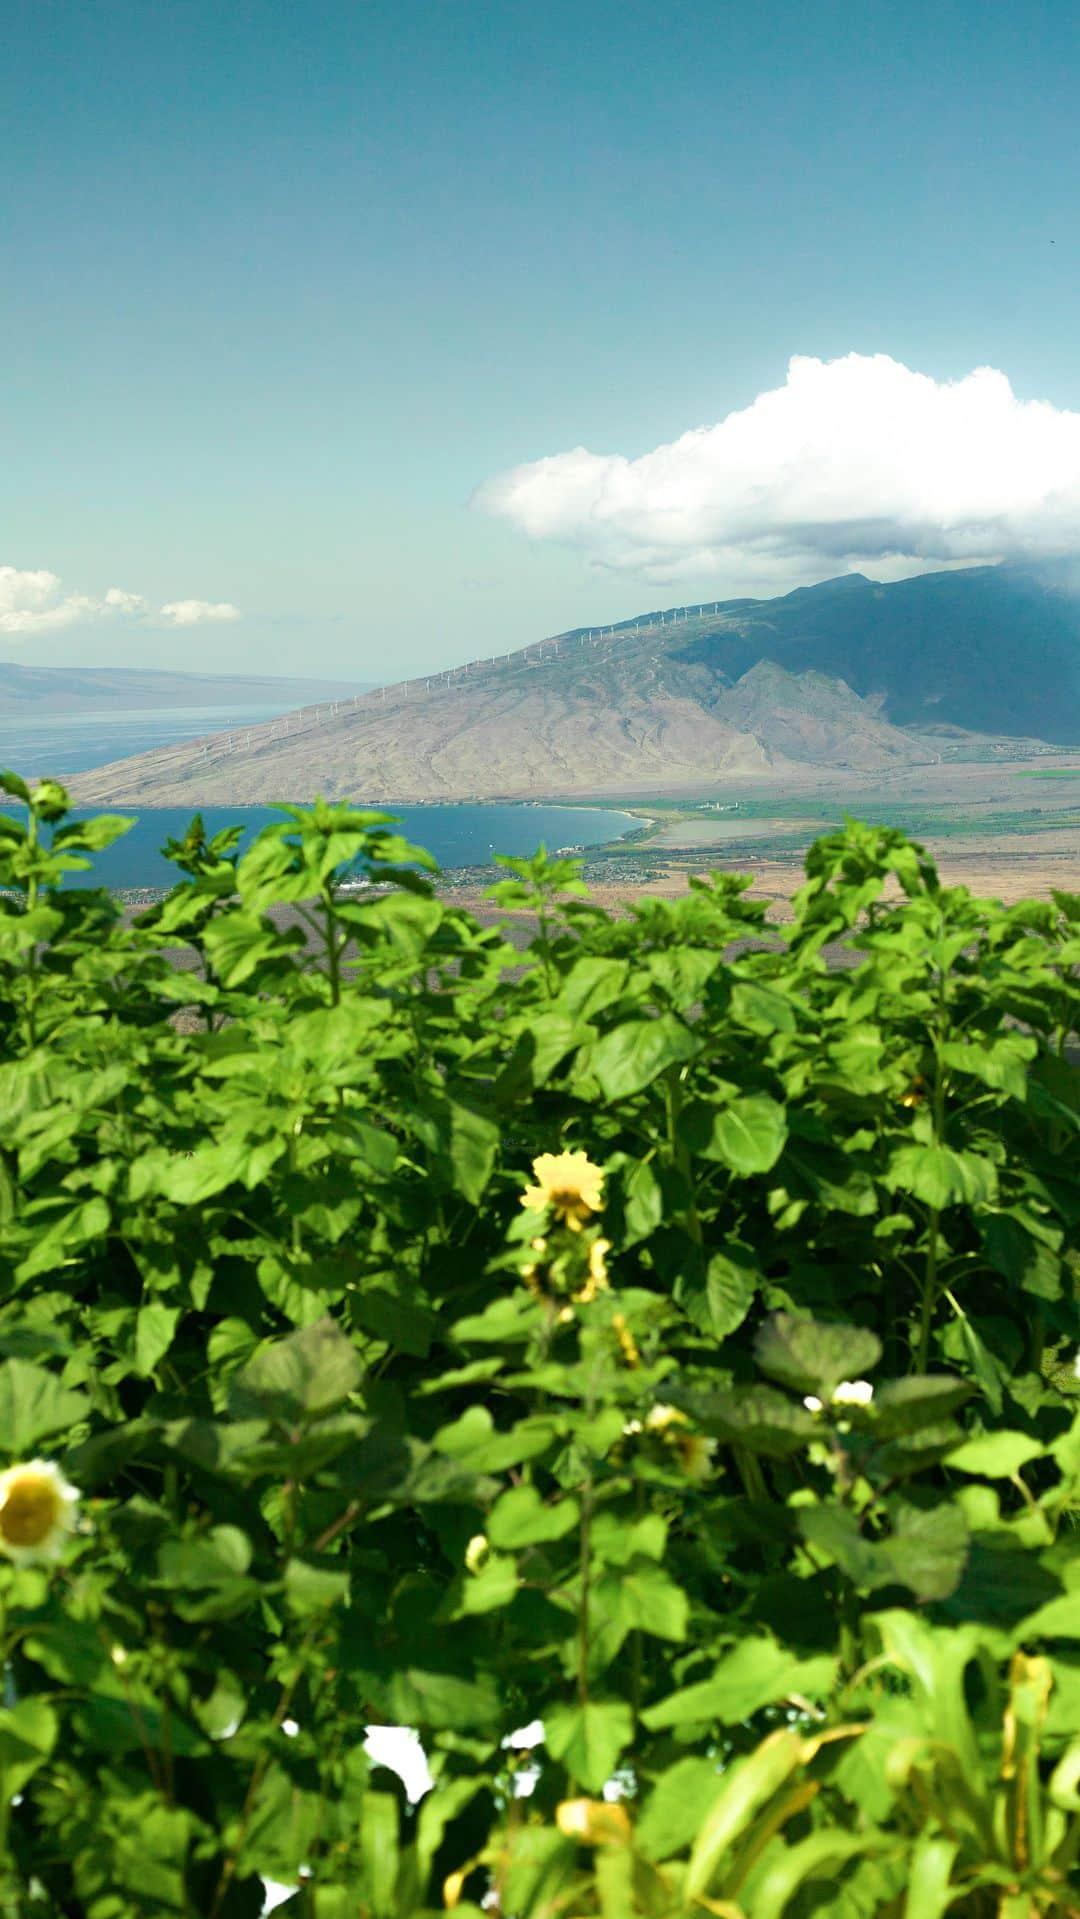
(711, 1515)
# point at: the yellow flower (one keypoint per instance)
(567, 1182)
(593, 1822)
(661, 1417)
(37, 1512)
(598, 1272)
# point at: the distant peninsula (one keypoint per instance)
(27, 692)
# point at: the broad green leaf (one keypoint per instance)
(640, 1597)
(312, 1589)
(922, 1399)
(722, 1303)
(522, 1518)
(1058, 1619)
(28, 1733)
(927, 1551)
(488, 1590)
(996, 1455)
(33, 1404)
(155, 1326)
(756, 1417)
(749, 1135)
(755, 1674)
(939, 1176)
(473, 1440)
(676, 1807)
(443, 1699)
(631, 1056)
(589, 1739)
(811, 1356)
(296, 1378)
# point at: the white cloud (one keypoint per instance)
(34, 601)
(122, 602)
(856, 463)
(198, 612)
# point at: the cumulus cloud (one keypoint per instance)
(853, 464)
(35, 601)
(121, 602)
(198, 612)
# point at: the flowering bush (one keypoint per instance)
(646, 1370)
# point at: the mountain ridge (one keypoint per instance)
(840, 676)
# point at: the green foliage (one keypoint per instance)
(741, 1461)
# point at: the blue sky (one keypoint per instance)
(283, 284)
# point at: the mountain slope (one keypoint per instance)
(992, 649)
(839, 676)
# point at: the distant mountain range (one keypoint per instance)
(30, 691)
(848, 675)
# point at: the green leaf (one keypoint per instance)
(206, 1577)
(310, 1372)
(312, 1589)
(722, 1303)
(33, 1404)
(28, 1733)
(940, 1177)
(996, 1455)
(811, 1356)
(473, 1440)
(155, 1325)
(589, 1739)
(631, 1056)
(640, 1597)
(444, 1700)
(756, 1673)
(464, 1143)
(928, 1550)
(922, 1399)
(761, 1008)
(755, 1417)
(749, 1135)
(93, 836)
(676, 1807)
(521, 1518)
(1058, 1619)
(1001, 1064)
(494, 1586)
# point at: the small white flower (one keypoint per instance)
(477, 1553)
(853, 1392)
(38, 1511)
(813, 1404)
(1076, 1365)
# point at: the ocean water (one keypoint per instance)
(57, 745)
(456, 835)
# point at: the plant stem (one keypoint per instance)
(585, 1558)
(929, 1294)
